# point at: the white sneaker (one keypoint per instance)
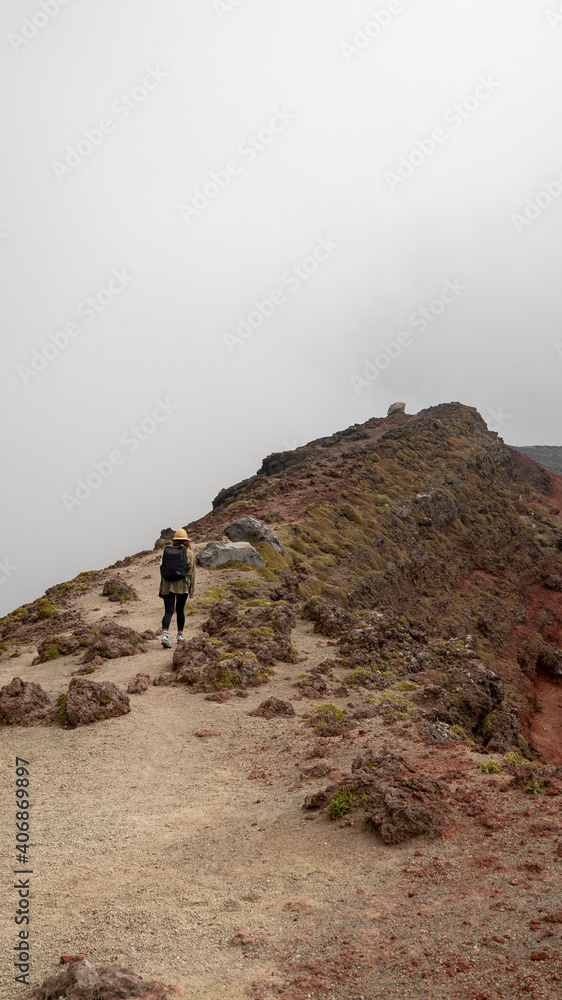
(180, 637)
(165, 640)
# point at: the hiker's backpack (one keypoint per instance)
(174, 562)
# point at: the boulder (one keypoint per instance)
(23, 702)
(139, 684)
(111, 641)
(249, 529)
(217, 554)
(59, 645)
(396, 408)
(398, 803)
(87, 701)
(83, 979)
(411, 807)
(272, 707)
(119, 590)
(475, 702)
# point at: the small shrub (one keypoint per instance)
(459, 731)
(533, 787)
(62, 717)
(358, 677)
(490, 767)
(51, 651)
(333, 709)
(345, 800)
(228, 679)
(47, 611)
(216, 593)
(516, 760)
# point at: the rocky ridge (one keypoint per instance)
(398, 634)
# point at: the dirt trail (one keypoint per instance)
(153, 847)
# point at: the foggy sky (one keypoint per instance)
(369, 160)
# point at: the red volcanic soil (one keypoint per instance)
(546, 725)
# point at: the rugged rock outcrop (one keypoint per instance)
(216, 554)
(59, 645)
(272, 707)
(397, 802)
(111, 641)
(139, 684)
(106, 641)
(83, 979)
(87, 701)
(236, 648)
(22, 703)
(119, 590)
(250, 529)
(473, 699)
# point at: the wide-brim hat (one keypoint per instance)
(181, 536)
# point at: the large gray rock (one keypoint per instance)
(217, 554)
(396, 408)
(249, 529)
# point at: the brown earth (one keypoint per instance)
(546, 726)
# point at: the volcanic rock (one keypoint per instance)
(474, 701)
(111, 641)
(272, 707)
(217, 554)
(139, 684)
(59, 645)
(119, 590)
(398, 803)
(87, 701)
(396, 408)
(250, 529)
(406, 808)
(23, 702)
(83, 979)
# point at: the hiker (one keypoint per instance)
(177, 571)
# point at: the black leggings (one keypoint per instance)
(169, 601)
